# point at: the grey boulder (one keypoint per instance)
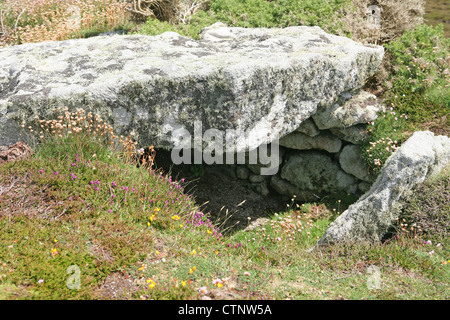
(259, 83)
(422, 156)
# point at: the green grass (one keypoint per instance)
(153, 234)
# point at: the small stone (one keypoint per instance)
(356, 134)
(242, 172)
(361, 108)
(317, 172)
(256, 178)
(309, 128)
(351, 161)
(301, 141)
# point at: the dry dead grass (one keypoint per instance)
(395, 18)
(25, 21)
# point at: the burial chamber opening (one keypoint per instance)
(236, 196)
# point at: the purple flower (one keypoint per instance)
(113, 184)
(41, 171)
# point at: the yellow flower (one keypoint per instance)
(209, 231)
(148, 223)
(218, 283)
(193, 252)
(156, 210)
(157, 252)
(151, 283)
(54, 251)
(183, 283)
(192, 269)
(142, 268)
(54, 240)
(175, 217)
(152, 217)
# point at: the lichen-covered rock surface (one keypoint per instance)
(422, 156)
(260, 82)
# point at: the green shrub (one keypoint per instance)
(197, 22)
(417, 90)
(386, 135)
(257, 14)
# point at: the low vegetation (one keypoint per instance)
(90, 206)
(82, 202)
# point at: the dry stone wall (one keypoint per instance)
(319, 159)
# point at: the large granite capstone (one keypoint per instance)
(262, 83)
